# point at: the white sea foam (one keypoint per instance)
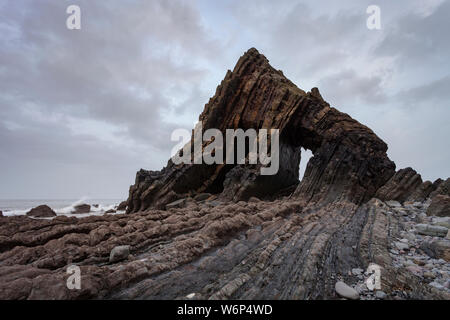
(61, 207)
(11, 213)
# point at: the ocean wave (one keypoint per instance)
(96, 209)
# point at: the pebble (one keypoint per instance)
(414, 269)
(401, 245)
(431, 230)
(441, 221)
(380, 295)
(346, 291)
(436, 285)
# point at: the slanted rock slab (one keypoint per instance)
(122, 206)
(202, 196)
(440, 206)
(176, 204)
(430, 230)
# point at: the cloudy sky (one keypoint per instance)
(82, 110)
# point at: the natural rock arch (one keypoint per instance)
(349, 160)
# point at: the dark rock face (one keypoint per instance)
(440, 206)
(423, 191)
(122, 206)
(442, 187)
(41, 212)
(349, 162)
(82, 208)
(401, 186)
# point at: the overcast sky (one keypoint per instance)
(82, 110)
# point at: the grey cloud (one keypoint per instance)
(431, 94)
(82, 109)
(121, 71)
(347, 87)
(415, 38)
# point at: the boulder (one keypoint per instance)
(430, 230)
(122, 206)
(380, 295)
(42, 211)
(346, 291)
(440, 206)
(401, 245)
(110, 211)
(119, 253)
(437, 249)
(1, 213)
(82, 208)
(441, 221)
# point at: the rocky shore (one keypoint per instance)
(227, 232)
(216, 250)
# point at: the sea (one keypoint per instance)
(16, 207)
